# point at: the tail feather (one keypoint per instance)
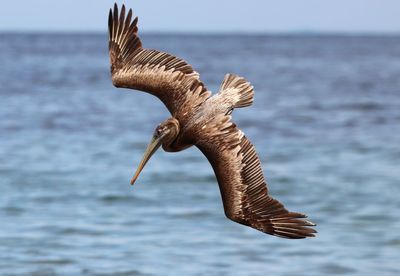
(237, 90)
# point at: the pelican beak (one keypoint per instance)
(155, 143)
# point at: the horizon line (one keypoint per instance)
(217, 32)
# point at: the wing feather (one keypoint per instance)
(167, 77)
(243, 187)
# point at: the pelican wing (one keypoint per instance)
(167, 77)
(243, 187)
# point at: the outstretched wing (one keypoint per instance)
(243, 188)
(167, 77)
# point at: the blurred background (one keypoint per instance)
(325, 122)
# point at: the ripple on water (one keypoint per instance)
(13, 210)
(335, 269)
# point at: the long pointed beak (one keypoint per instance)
(155, 143)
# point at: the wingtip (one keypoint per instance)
(110, 15)
(122, 14)
(310, 223)
(116, 13)
(293, 226)
(135, 21)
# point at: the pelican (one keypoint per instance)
(203, 120)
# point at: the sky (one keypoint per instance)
(349, 16)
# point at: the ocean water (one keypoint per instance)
(325, 122)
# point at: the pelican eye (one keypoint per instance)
(159, 131)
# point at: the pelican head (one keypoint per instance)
(164, 134)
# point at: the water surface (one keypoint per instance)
(325, 122)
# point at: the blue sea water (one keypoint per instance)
(325, 122)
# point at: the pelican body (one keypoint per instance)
(203, 120)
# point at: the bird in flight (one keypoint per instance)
(203, 120)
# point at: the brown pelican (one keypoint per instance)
(203, 120)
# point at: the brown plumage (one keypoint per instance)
(203, 120)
